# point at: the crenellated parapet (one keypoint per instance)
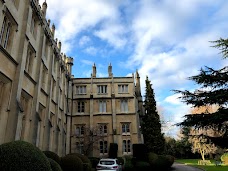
(49, 30)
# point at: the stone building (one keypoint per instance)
(34, 77)
(40, 101)
(109, 107)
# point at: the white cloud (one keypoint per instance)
(84, 40)
(72, 17)
(91, 50)
(173, 99)
(87, 62)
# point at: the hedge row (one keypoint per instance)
(23, 156)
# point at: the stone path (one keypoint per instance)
(183, 167)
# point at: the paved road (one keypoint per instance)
(183, 167)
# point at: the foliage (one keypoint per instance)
(94, 161)
(213, 91)
(71, 163)
(85, 160)
(142, 165)
(151, 125)
(120, 160)
(113, 149)
(53, 156)
(200, 145)
(152, 158)
(86, 142)
(54, 165)
(224, 158)
(21, 156)
(140, 152)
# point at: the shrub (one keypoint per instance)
(152, 158)
(21, 156)
(85, 160)
(224, 158)
(71, 163)
(142, 165)
(161, 163)
(94, 161)
(128, 164)
(54, 165)
(140, 152)
(53, 156)
(113, 150)
(170, 160)
(120, 160)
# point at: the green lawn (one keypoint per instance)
(211, 167)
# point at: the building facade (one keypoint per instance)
(110, 108)
(34, 77)
(41, 102)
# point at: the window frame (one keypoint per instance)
(103, 129)
(102, 89)
(31, 54)
(126, 128)
(124, 105)
(81, 107)
(81, 90)
(126, 146)
(122, 88)
(102, 106)
(7, 32)
(103, 147)
(79, 130)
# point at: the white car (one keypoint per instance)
(109, 164)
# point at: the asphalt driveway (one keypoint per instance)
(183, 167)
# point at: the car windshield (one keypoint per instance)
(107, 162)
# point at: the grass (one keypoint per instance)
(194, 162)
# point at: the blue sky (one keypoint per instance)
(166, 40)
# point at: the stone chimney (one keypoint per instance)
(137, 83)
(94, 71)
(110, 70)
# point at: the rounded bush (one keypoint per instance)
(161, 162)
(21, 156)
(54, 165)
(53, 156)
(85, 160)
(170, 160)
(141, 165)
(152, 158)
(71, 163)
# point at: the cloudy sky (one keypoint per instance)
(168, 40)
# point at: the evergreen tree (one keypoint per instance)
(151, 125)
(213, 91)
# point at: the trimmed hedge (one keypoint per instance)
(21, 156)
(113, 149)
(54, 165)
(85, 160)
(71, 163)
(53, 156)
(140, 152)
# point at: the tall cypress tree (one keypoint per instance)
(151, 125)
